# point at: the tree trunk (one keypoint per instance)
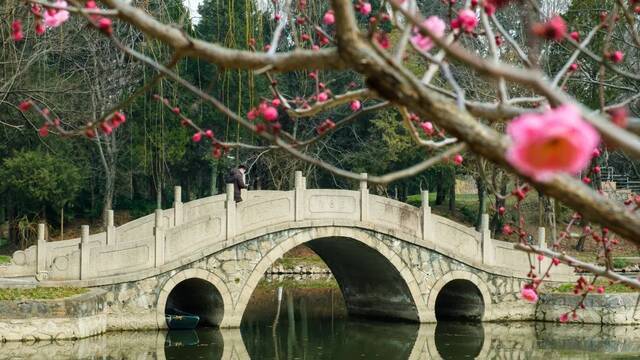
(159, 195)
(441, 195)
(214, 178)
(497, 221)
(187, 188)
(452, 197)
(107, 199)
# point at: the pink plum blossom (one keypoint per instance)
(329, 18)
(553, 142)
(355, 105)
(466, 20)
(270, 113)
(529, 294)
(436, 26)
(323, 96)
(55, 17)
(554, 29)
(427, 127)
(365, 8)
(617, 56)
(564, 318)
(252, 114)
(16, 31)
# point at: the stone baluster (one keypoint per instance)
(542, 238)
(542, 243)
(178, 213)
(231, 213)
(84, 252)
(41, 254)
(300, 185)
(488, 249)
(427, 223)
(111, 229)
(364, 197)
(158, 233)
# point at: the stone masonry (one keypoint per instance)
(390, 259)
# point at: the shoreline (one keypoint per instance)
(85, 315)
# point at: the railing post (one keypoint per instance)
(364, 197)
(158, 232)
(177, 206)
(299, 196)
(231, 213)
(542, 240)
(427, 224)
(41, 255)
(542, 243)
(111, 229)
(84, 252)
(488, 250)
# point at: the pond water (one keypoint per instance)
(313, 324)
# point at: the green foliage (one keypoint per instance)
(287, 283)
(4, 259)
(567, 288)
(137, 207)
(468, 211)
(619, 263)
(292, 262)
(415, 200)
(40, 179)
(40, 293)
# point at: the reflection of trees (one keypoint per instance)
(516, 340)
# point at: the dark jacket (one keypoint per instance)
(235, 178)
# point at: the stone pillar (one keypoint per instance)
(178, 214)
(111, 229)
(41, 255)
(488, 250)
(364, 198)
(231, 213)
(84, 253)
(542, 239)
(299, 196)
(427, 224)
(158, 232)
(542, 243)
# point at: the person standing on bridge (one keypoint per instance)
(237, 178)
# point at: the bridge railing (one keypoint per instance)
(174, 235)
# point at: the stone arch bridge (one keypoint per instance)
(390, 259)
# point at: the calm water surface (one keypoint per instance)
(312, 324)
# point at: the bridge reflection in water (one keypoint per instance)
(350, 340)
(314, 324)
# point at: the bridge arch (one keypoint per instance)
(371, 254)
(465, 290)
(218, 305)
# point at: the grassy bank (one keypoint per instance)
(567, 288)
(5, 259)
(40, 293)
(298, 284)
(306, 261)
